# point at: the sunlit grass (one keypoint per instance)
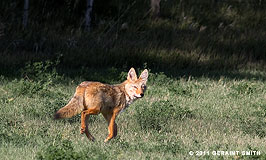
(177, 115)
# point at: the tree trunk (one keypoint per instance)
(88, 15)
(182, 8)
(155, 8)
(25, 13)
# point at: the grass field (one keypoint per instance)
(180, 113)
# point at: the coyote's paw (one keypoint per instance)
(108, 138)
(82, 130)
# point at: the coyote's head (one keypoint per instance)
(135, 87)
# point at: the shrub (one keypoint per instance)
(59, 151)
(37, 78)
(254, 127)
(243, 88)
(65, 150)
(43, 72)
(159, 114)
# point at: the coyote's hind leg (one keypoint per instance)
(84, 121)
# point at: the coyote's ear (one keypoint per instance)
(132, 75)
(144, 76)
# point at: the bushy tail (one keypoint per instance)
(74, 107)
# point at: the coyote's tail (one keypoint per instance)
(74, 107)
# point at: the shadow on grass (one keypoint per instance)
(212, 46)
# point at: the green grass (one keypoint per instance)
(178, 114)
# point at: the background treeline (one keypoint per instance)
(206, 34)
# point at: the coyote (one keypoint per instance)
(92, 98)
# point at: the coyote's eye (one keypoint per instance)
(143, 86)
(135, 87)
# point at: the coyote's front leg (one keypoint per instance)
(110, 130)
(112, 127)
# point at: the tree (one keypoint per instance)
(88, 14)
(25, 13)
(155, 8)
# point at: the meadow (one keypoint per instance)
(177, 115)
(206, 88)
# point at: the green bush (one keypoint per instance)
(43, 72)
(160, 114)
(64, 150)
(243, 88)
(37, 77)
(254, 127)
(59, 151)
